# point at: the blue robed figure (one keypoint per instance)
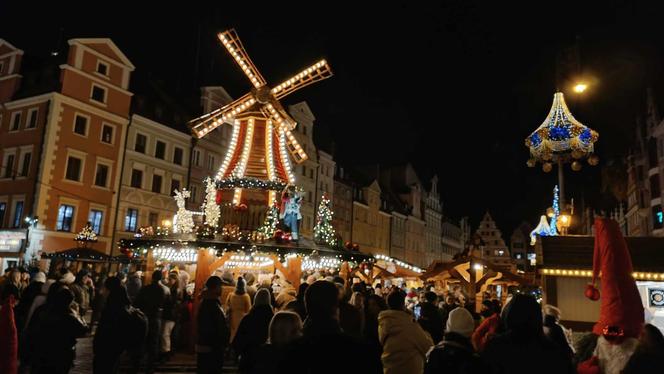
(290, 209)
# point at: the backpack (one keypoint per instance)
(137, 328)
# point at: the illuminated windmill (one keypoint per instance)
(261, 140)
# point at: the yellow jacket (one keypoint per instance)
(404, 342)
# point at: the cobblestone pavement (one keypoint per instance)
(179, 363)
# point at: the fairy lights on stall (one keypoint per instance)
(398, 262)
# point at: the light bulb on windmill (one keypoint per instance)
(262, 137)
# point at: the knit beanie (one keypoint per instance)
(461, 322)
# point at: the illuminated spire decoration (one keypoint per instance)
(210, 207)
(556, 212)
(542, 229)
(261, 140)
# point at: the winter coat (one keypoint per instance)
(485, 331)
(252, 332)
(81, 296)
(500, 352)
(172, 304)
(556, 334)
(405, 343)
(8, 338)
(324, 348)
(212, 332)
(134, 285)
(237, 306)
(23, 308)
(55, 336)
(350, 319)
(150, 300)
(431, 321)
(454, 355)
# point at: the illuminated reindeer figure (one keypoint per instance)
(184, 221)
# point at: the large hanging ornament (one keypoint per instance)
(576, 166)
(531, 162)
(547, 166)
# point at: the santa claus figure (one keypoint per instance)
(621, 312)
(290, 210)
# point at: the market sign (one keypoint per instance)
(656, 297)
(10, 241)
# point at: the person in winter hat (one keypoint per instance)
(238, 305)
(621, 316)
(455, 353)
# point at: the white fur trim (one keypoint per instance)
(614, 357)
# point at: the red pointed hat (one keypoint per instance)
(621, 311)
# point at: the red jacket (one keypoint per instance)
(485, 331)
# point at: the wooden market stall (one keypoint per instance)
(565, 267)
(475, 275)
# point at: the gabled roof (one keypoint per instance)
(8, 44)
(116, 52)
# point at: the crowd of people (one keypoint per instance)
(326, 324)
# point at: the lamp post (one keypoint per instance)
(562, 139)
(30, 222)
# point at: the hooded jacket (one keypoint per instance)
(404, 342)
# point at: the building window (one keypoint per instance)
(65, 217)
(311, 173)
(25, 167)
(18, 212)
(655, 189)
(32, 119)
(131, 220)
(156, 183)
(160, 150)
(107, 134)
(210, 162)
(95, 219)
(73, 169)
(177, 156)
(175, 185)
(9, 166)
(102, 68)
(141, 141)
(3, 209)
(304, 171)
(101, 175)
(153, 219)
(136, 178)
(194, 192)
(98, 94)
(16, 121)
(80, 125)
(197, 158)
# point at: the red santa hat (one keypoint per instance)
(621, 311)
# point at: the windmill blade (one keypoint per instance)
(280, 116)
(314, 73)
(232, 42)
(294, 147)
(202, 125)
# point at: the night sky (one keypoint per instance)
(453, 87)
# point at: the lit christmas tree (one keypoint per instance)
(269, 226)
(210, 207)
(87, 234)
(323, 231)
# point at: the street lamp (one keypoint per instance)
(564, 222)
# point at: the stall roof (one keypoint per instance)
(576, 252)
(438, 267)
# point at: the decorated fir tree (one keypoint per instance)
(269, 226)
(87, 234)
(323, 231)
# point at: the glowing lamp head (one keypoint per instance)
(580, 87)
(166, 223)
